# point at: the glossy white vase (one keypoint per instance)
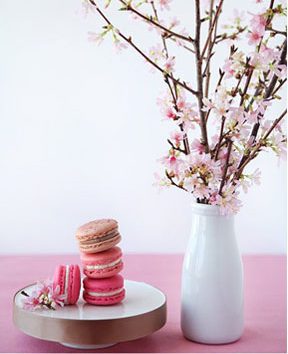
(212, 279)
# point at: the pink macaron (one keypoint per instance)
(68, 278)
(106, 291)
(98, 235)
(102, 264)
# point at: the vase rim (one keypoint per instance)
(206, 209)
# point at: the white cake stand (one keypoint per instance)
(84, 326)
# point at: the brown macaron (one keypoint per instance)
(98, 235)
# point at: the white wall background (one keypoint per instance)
(80, 135)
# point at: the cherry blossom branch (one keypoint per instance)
(173, 183)
(137, 49)
(221, 76)
(233, 94)
(275, 31)
(156, 24)
(279, 87)
(176, 148)
(223, 180)
(162, 35)
(209, 55)
(220, 138)
(173, 93)
(219, 7)
(199, 76)
(224, 36)
(268, 93)
(182, 45)
(257, 147)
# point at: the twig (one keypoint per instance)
(224, 36)
(181, 45)
(173, 183)
(175, 147)
(275, 31)
(279, 86)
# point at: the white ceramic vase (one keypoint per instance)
(212, 279)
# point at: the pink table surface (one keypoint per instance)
(265, 304)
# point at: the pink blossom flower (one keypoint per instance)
(279, 70)
(256, 176)
(228, 201)
(156, 53)
(174, 22)
(169, 65)
(161, 182)
(119, 45)
(171, 113)
(95, 37)
(228, 68)
(245, 183)
(254, 37)
(164, 4)
(258, 23)
(201, 191)
(197, 146)
(208, 104)
(278, 144)
(43, 296)
(172, 163)
(87, 7)
(31, 303)
(177, 137)
(238, 17)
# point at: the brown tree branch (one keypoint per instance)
(212, 28)
(173, 183)
(229, 148)
(175, 147)
(199, 76)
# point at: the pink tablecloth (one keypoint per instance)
(265, 304)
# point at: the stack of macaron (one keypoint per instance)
(102, 261)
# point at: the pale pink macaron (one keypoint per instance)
(102, 264)
(68, 278)
(98, 235)
(106, 291)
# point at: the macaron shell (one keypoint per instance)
(96, 227)
(104, 273)
(59, 278)
(74, 284)
(104, 257)
(100, 246)
(104, 285)
(104, 300)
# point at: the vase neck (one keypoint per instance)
(199, 209)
